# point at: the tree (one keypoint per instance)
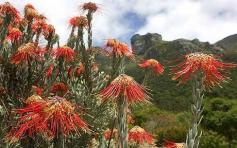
(220, 115)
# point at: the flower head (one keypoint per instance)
(125, 86)
(37, 90)
(79, 21)
(48, 31)
(38, 25)
(30, 120)
(91, 7)
(62, 117)
(107, 134)
(46, 117)
(79, 70)
(7, 9)
(152, 64)
(139, 136)
(49, 71)
(211, 68)
(59, 87)
(65, 52)
(26, 53)
(30, 12)
(14, 34)
(118, 48)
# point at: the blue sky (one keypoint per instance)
(207, 20)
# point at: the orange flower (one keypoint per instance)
(59, 87)
(14, 34)
(91, 7)
(107, 134)
(37, 90)
(80, 70)
(62, 117)
(26, 53)
(79, 21)
(140, 136)
(7, 9)
(30, 120)
(48, 30)
(211, 68)
(49, 71)
(30, 12)
(170, 144)
(125, 86)
(46, 117)
(38, 26)
(118, 48)
(65, 52)
(152, 64)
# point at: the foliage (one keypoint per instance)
(220, 115)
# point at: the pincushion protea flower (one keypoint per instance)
(59, 87)
(211, 68)
(14, 34)
(38, 25)
(62, 117)
(91, 7)
(26, 53)
(30, 12)
(140, 136)
(107, 134)
(49, 71)
(65, 52)
(30, 121)
(37, 90)
(8, 9)
(48, 31)
(118, 48)
(79, 21)
(152, 64)
(79, 70)
(126, 87)
(46, 117)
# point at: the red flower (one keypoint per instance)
(59, 87)
(118, 48)
(30, 120)
(46, 117)
(107, 134)
(38, 26)
(170, 144)
(65, 52)
(14, 34)
(30, 12)
(125, 86)
(79, 21)
(48, 31)
(91, 7)
(140, 136)
(49, 71)
(211, 68)
(26, 53)
(37, 90)
(154, 65)
(7, 9)
(62, 117)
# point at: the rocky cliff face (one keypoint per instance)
(152, 46)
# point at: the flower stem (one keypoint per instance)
(122, 123)
(194, 134)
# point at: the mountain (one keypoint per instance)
(229, 43)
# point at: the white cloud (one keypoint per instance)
(208, 20)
